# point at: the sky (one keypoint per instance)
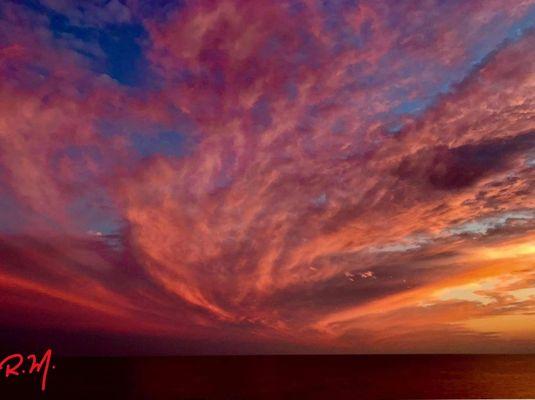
(198, 177)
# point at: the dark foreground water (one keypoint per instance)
(284, 377)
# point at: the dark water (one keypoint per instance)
(284, 377)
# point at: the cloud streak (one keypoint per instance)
(329, 177)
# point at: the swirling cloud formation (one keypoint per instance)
(269, 176)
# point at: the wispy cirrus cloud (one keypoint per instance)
(348, 177)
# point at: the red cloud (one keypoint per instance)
(292, 179)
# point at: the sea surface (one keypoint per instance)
(284, 377)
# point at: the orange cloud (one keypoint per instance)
(359, 181)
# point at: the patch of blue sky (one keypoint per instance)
(479, 227)
(411, 242)
(96, 214)
(479, 53)
(482, 226)
(120, 44)
(125, 61)
(482, 50)
(35, 5)
(411, 106)
(395, 247)
(320, 200)
(165, 143)
(405, 107)
(518, 29)
(159, 10)
(395, 127)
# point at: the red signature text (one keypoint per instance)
(16, 364)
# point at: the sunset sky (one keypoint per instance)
(267, 176)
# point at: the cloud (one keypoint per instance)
(454, 168)
(317, 184)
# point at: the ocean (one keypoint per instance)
(284, 377)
